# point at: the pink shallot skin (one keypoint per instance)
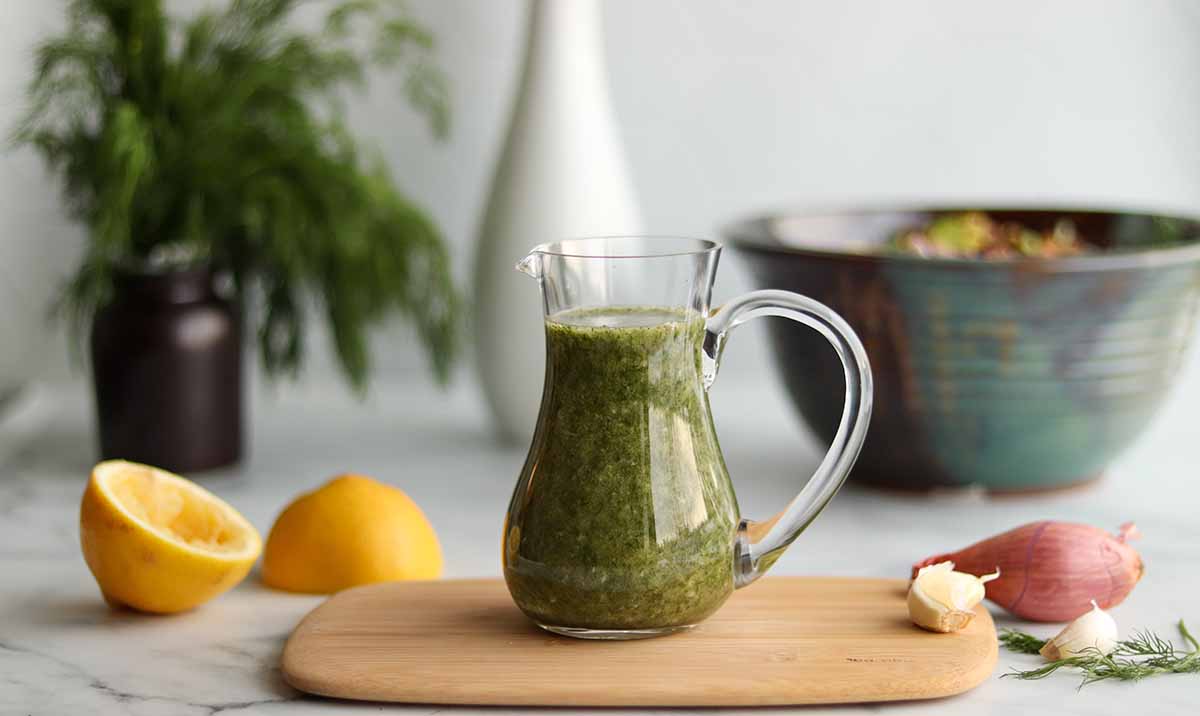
(1051, 571)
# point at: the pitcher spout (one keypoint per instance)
(531, 265)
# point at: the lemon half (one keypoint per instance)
(159, 543)
(352, 530)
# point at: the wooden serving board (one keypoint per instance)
(781, 641)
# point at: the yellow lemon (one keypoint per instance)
(353, 530)
(159, 543)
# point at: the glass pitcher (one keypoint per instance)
(623, 523)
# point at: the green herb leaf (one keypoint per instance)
(1020, 642)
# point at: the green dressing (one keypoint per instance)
(624, 517)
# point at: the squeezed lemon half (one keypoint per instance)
(159, 543)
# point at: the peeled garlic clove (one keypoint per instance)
(943, 600)
(1094, 630)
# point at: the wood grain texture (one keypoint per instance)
(782, 641)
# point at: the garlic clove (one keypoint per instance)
(1095, 629)
(943, 600)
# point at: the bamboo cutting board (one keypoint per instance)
(781, 641)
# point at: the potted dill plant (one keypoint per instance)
(222, 194)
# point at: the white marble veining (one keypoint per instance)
(62, 651)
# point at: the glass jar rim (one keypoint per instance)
(630, 246)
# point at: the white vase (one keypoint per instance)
(562, 174)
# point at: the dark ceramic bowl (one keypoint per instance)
(1020, 374)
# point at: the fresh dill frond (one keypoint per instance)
(1143, 654)
(1021, 642)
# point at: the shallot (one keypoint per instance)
(1051, 571)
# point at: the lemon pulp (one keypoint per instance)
(175, 511)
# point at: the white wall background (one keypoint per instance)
(728, 107)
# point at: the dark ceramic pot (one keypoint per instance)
(166, 362)
(1022, 374)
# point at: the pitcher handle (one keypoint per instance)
(759, 544)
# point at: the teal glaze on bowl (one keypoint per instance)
(1013, 375)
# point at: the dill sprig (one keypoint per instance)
(1144, 654)
(1021, 642)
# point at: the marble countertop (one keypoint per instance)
(63, 651)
